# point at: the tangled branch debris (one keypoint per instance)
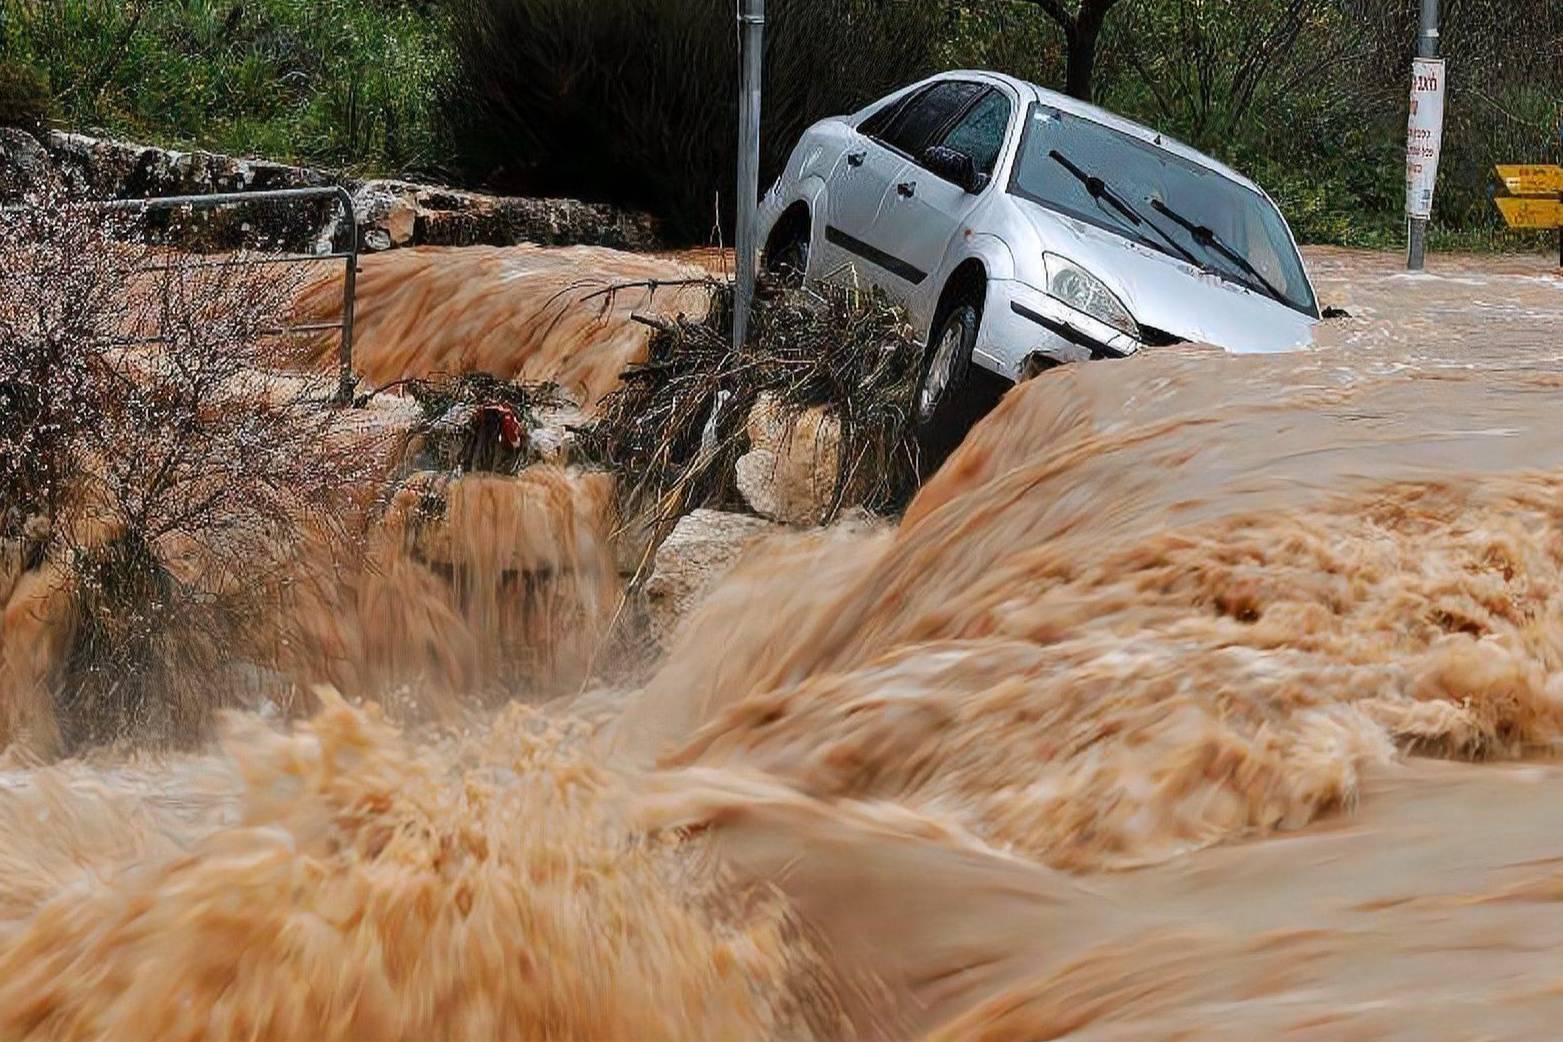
(477, 422)
(677, 426)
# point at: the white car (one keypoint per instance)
(1022, 228)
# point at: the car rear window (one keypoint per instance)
(918, 124)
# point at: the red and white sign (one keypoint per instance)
(1424, 135)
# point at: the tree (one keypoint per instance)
(1082, 32)
(1208, 65)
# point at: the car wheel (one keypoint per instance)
(787, 261)
(945, 410)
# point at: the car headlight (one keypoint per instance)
(1073, 285)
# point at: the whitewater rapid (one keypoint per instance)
(1196, 696)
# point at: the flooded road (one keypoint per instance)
(1198, 696)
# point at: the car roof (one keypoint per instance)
(1085, 110)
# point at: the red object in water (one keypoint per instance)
(505, 420)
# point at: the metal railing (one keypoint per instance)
(346, 381)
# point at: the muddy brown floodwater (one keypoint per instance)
(1197, 697)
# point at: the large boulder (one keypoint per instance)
(790, 473)
(400, 213)
(110, 169)
(387, 214)
(102, 168)
(701, 549)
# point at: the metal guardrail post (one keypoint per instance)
(346, 381)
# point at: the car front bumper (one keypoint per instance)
(1020, 321)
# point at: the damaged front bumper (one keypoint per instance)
(1020, 322)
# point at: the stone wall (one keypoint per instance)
(400, 213)
(110, 169)
(388, 214)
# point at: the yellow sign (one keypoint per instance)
(1532, 180)
(1532, 213)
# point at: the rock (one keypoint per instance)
(412, 214)
(24, 165)
(501, 221)
(701, 549)
(388, 213)
(102, 168)
(789, 474)
(554, 438)
(111, 169)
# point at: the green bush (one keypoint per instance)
(25, 100)
(1308, 97)
(339, 82)
(634, 101)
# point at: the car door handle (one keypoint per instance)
(907, 188)
(856, 158)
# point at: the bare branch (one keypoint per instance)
(147, 424)
(1055, 10)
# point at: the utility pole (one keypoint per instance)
(751, 26)
(1425, 138)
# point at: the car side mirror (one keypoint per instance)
(956, 167)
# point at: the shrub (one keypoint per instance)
(25, 100)
(162, 463)
(634, 101)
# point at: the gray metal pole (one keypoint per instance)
(751, 22)
(346, 381)
(1426, 47)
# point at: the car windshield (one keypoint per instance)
(1066, 162)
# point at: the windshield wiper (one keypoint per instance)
(1211, 241)
(1099, 189)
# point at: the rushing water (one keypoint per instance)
(1198, 696)
(523, 312)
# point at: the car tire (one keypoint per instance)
(946, 407)
(787, 261)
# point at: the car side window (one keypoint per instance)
(980, 133)
(874, 126)
(920, 122)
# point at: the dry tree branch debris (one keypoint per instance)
(677, 426)
(478, 422)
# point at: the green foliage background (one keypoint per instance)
(1324, 129)
(630, 100)
(349, 83)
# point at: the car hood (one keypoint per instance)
(1170, 295)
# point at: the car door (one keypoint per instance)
(856, 191)
(869, 172)
(925, 212)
